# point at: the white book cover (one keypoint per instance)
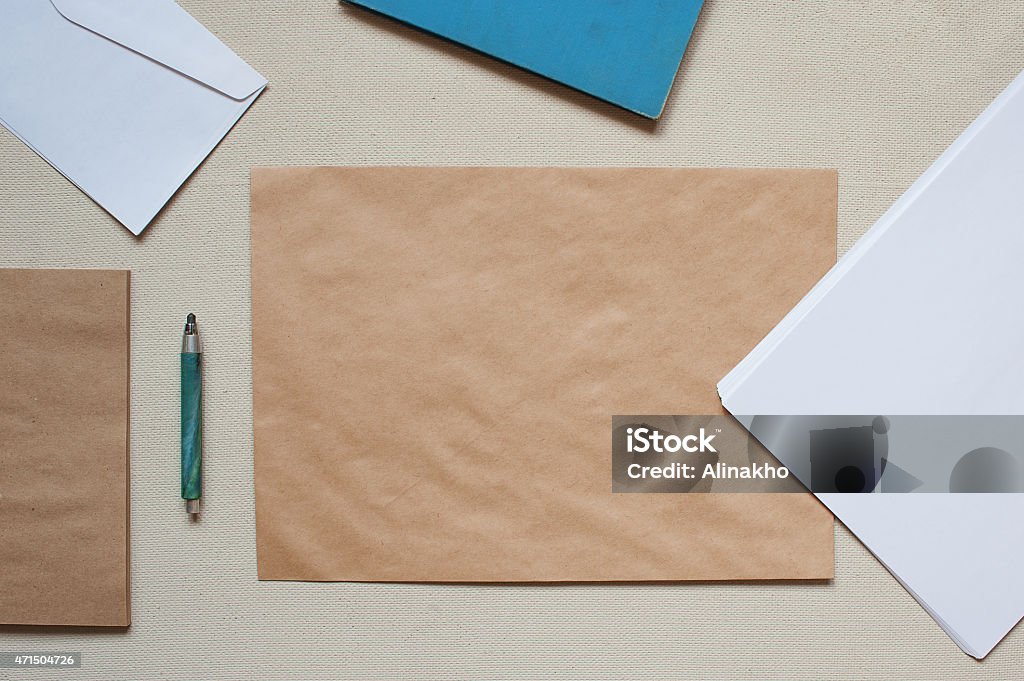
(923, 316)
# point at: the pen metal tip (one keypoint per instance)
(190, 319)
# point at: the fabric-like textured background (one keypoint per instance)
(876, 89)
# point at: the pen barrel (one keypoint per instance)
(191, 426)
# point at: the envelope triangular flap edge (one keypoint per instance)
(154, 28)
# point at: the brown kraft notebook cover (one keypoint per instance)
(64, 441)
(438, 352)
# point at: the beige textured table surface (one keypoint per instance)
(875, 88)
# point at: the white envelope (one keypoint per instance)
(124, 97)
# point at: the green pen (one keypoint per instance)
(191, 417)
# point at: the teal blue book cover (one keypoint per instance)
(626, 52)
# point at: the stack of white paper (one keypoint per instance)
(923, 316)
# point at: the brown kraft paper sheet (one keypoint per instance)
(438, 352)
(64, 441)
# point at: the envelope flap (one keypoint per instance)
(164, 32)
